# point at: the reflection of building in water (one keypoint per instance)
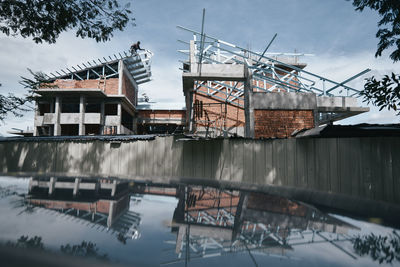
(99, 202)
(211, 222)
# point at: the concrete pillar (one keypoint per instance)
(52, 184)
(119, 114)
(57, 111)
(76, 187)
(82, 102)
(102, 117)
(248, 106)
(120, 76)
(192, 57)
(110, 214)
(114, 188)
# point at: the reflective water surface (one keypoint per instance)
(129, 223)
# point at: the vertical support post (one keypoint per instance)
(76, 187)
(323, 87)
(102, 117)
(52, 184)
(110, 214)
(248, 105)
(57, 111)
(82, 115)
(192, 57)
(30, 185)
(114, 188)
(119, 114)
(120, 76)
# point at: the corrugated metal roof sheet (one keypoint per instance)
(78, 138)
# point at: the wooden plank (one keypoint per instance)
(141, 158)
(345, 162)
(270, 170)
(367, 164)
(310, 163)
(132, 159)
(177, 159)
(237, 159)
(386, 165)
(291, 162)
(396, 168)
(198, 159)
(322, 164)
(301, 162)
(259, 161)
(333, 175)
(187, 158)
(248, 161)
(209, 173)
(279, 152)
(225, 160)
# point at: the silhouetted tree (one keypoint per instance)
(389, 25)
(17, 105)
(44, 20)
(384, 93)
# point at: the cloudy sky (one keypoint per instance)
(343, 43)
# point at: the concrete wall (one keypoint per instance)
(368, 168)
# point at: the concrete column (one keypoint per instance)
(82, 102)
(119, 114)
(102, 117)
(192, 57)
(57, 111)
(76, 187)
(52, 184)
(248, 106)
(120, 76)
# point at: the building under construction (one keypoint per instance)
(229, 91)
(233, 91)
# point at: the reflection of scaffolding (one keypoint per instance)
(125, 226)
(100, 203)
(212, 222)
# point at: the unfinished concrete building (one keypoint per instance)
(97, 98)
(233, 91)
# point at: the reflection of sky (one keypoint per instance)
(151, 248)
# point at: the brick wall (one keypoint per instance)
(127, 89)
(214, 109)
(165, 114)
(111, 87)
(281, 123)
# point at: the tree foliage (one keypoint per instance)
(383, 93)
(389, 24)
(18, 105)
(44, 20)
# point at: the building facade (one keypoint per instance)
(100, 98)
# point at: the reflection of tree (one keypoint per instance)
(85, 249)
(121, 238)
(26, 242)
(380, 248)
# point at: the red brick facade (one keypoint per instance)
(162, 114)
(281, 123)
(214, 110)
(110, 88)
(128, 90)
